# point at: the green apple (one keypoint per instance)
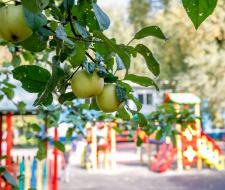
(13, 24)
(108, 101)
(85, 85)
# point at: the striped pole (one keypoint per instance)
(45, 176)
(21, 174)
(27, 173)
(33, 180)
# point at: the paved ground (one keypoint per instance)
(139, 178)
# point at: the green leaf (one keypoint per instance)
(35, 127)
(159, 134)
(94, 105)
(143, 81)
(45, 97)
(142, 120)
(110, 78)
(42, 152)
(89, 67)
(16, 60)
(59, 146)
(123, 114)
(32, 77)
(69, 96)
(68, 4)
(119, 63)
(35, 43)
(35, 5)
(56, 13)
(9, 178)
(46, 101)
(61, 34)
(173, 138)
(2, 169)
(35, 21)
(79, 55)
(139, 141)
(8, 92)
(21, 106)
(150, 31)
(69, 133)
(199, 10)
(1, 97)
(136, 102)
(102, 18)
(121, 93)
(151, 62)
(81, 30)
(125, 57)
(7, 84)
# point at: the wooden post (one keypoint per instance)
(39, 175)
(198, 130)
(149, 154)
(179, 143)
(55, 169)
(113, 146)
(94, 146)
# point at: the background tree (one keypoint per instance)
(192, 58)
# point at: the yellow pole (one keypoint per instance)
(39, 175)
(179, 143)
(94, 147)
(113, 146)
(27, 173)
(198, 131)
(149, 154)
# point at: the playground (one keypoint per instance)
(112, 95)
(103, 153)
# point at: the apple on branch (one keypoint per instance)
(13, 24)
(86, 85)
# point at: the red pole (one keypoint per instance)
(0, 147)
(0, 138)
(55, 169)
(9, 144)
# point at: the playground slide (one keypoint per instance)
(210, 152)
(163, 159)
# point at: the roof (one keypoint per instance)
(183, 98)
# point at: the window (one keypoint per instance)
(149, 99)
(141, 98)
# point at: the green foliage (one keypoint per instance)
(199, 10)
(143, 81)
(150, 31)
(59, 146)
(9, 178)
(33, 78)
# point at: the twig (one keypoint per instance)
(76, 35)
